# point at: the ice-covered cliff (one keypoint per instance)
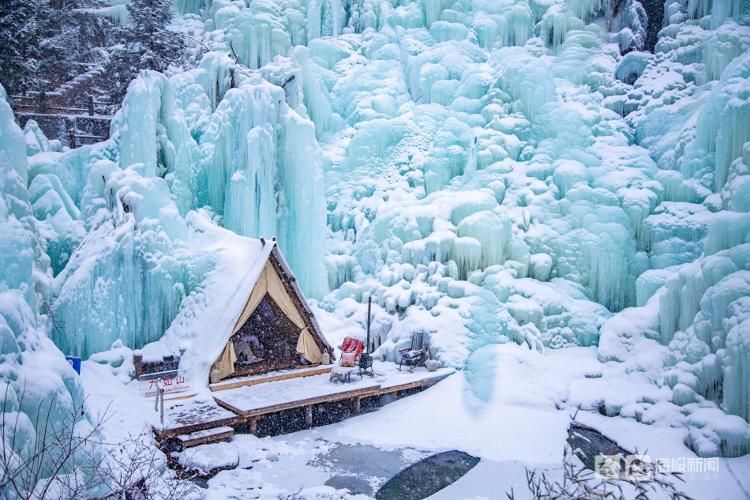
(40, 391)
(488, 171)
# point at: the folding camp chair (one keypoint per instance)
(415, 355)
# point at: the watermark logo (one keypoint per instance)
(608, 466)
(644, 467)
(640, 467)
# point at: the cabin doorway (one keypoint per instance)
(267, 341)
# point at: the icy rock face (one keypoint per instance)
(35, 378)
(115, 239)
(273, 183)
(59, 220)
(486, 186)
(517, 173)
(114, 215)
(150, 130)
(249, 156)
(133, 270)
(686, 107)
(470, 148)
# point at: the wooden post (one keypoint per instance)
(308, 416)
(43, 102)
(91, 105)
(369, 314)
(71, 138)
(161, 407)
(254, 426)
(138, 364)
(357, 406)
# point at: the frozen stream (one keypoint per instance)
(359, 468)
(364, 468)
(401, 473)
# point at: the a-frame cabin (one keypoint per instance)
(275, 329)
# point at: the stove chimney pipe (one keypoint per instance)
(369, 309)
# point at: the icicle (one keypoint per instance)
(189, 6)
(585, 10)
(302, 203)
(325, 18)
(736, 394)
(697, 9)
(433, 9)
(150, 130)
(255, 34)
(340, 270)
(471, 162)
(727, 230)
(250, 208)
(567, 174)
(493, 233)
(467, 254)
(555, 24)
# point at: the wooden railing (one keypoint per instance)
(52, 104)
(72, 124)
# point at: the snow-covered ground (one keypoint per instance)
(514, 416)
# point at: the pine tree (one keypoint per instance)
(40, 40)
(156, 44)
(59, 47)
(21, 28)
(145, 43)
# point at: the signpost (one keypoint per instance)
(171, 382)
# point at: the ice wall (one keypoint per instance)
(494, 145)
(113, 215)
(690, 110)
(132, 268)
(477, 129)
(150, 130)
(487, 171)
(262, 173)
(34, 377)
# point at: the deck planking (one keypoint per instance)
(258, 400)
(186, 417)
(268, 377)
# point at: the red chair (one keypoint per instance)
(351, 350)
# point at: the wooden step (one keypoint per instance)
(187, 417)
(206, 436)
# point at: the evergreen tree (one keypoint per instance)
(156, 45)
(21, 30)
(146, 43)
(43, 43)
(41, 40)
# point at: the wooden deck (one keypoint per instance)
(244, 402)
(234, 383)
